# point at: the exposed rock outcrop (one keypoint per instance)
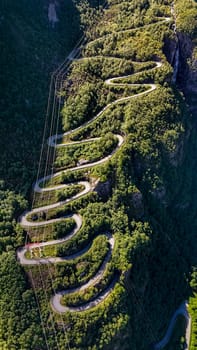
(187, 76)
(52, 14)
(103, 188)
(137, 205)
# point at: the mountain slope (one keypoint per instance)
(140, 190)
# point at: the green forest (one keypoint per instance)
(98, 179)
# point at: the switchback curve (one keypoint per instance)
(183, 311)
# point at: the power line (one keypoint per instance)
(56, 79)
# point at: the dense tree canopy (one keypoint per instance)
(144, 196)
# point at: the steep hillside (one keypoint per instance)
(31, 48)
(105, 253)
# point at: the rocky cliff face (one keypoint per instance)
(187, 75)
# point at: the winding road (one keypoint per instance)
(88, 187)
(182, 310)
(56, 299)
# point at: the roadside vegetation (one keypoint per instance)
(177, 340)
(136, 197)
(45, 198)
(192, 309)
